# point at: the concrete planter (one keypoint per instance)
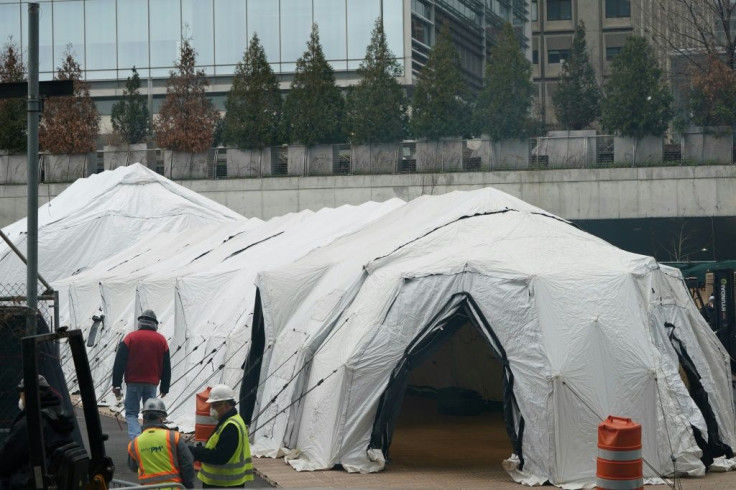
(247, 163)
(297, 160)
(320, 160)
(571, 149)
(183, 165)
(445, 155)
(376, 158)
(708, 145)
(122, 156)
(509, 154)
(13, 169)
(631, 151)
(68, 168)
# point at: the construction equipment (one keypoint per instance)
(71, 466)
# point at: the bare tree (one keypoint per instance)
(694, 28)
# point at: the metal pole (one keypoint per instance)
(34, 111)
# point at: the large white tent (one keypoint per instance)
(97, 217)
(200, 283)
(582, 329)
(337, 309)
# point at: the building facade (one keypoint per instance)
(110, 37)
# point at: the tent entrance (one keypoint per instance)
(450, 399)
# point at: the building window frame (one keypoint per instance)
(618, 9)
(612, 52)
(557, 55)
(559, 10)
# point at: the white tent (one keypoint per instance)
(582, 329)
(200, 284)
(97, 217)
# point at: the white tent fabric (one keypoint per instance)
(200, 284)
(583, 326)
(97, 217)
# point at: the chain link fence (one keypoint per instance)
(13, 311)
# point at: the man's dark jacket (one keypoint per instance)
(58, 426)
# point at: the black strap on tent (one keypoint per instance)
(714, 446)
(431, 337)
(253, 362)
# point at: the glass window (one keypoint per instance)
(296, 25)
(612, 51)
(557, 55)
(420, 8)
(535, 57)
(263, 19)
(535, 11)
(618, 8)
(393, 25)
(46, 63)
(69, 30)
(421, 31)
(231, 38)
(165, 33)
(559, 10)
(197, 15)
(133, 36)
(329, 15)
(362, 14)
(10, 24)
(99, 22)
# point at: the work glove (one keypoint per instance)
(117, 392)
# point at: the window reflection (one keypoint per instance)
(230, 33)
(329, 15)
(197, 16)
(69, 31)
(132, 35)
(10, 24)
(100, 31)
(296, 25)
(263, 18)
(393, 26)
(165, 32)
(361, 17)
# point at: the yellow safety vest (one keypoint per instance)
(155, 451)
(239, 468)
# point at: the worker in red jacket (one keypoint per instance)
(143, 358)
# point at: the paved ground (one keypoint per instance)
(449, 452)
(116, 448)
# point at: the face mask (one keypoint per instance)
(213, 413)
(21, 405)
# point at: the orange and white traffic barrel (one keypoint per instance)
(619, 465)
(204, 424)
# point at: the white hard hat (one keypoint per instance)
(221, 393)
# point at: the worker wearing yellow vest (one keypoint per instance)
(225, 457)
(159, 454)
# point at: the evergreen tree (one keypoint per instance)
(70, 125)
(441, 97)
(13, 115)
(130, 117)
(577, 99)
(504, 103)
(253, 104)
(636, 102)
(377, 105)
(315, 108)
(187, 119)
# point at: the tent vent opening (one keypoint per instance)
(714, 446)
